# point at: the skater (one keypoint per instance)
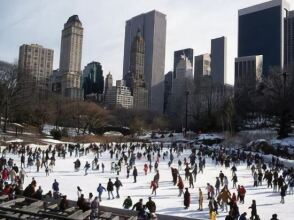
(145, 168)
(87, 166)
(253, 210)
(100, 190)
(187, 199)
(283, 193)
(102, 165)
(217, 186)
(55, 187)
(221, 176)
(154, 186)
(191, 184)
(242, 193)
(127, 203)
(200, 200)
(235, 180)
(180, 186)
(110, 189)
(135, 174)
(117, 185)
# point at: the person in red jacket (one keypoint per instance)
(180, 186)
(145, 168)
(5, 174)
(242, 192)
(154, 186)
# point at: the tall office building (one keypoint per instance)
(289, 41)
(177, 57)
(108, 82)
(219, 60)
(135, 78)
(261, 31)
(71, 57)
(248, 71)
(168, 80)
(36, 61)
(180, 86)
(153, 28)
(202, 66)
(93, 80)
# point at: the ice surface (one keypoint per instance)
(167, 199)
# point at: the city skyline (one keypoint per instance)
(41, 22)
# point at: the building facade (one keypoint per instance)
(289, 41)
(108, 82)
(119, 96)
(248, 71)
(168, 80)
(181, 86)
(202, 66)
(37, 62)
(261, 31)
(219, 60)
(135, 78)
(188, 52)
(93, 80)
(153, 28)
(71, 57)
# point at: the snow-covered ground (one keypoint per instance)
(167, 199)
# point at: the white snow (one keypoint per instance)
(15, 141)
(167, 199)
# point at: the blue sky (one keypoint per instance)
(190, 23)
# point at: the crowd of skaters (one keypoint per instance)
(218, 194)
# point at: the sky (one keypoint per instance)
(190, 24)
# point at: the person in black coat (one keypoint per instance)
(117, 185)
(187, 199)
(63, 205)
(135, 174)
(110, 189)
(243, 216)
(283, 193)
(253, 210)
(29, 191)
(140, 208)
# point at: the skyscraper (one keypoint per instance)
(289, 41)
(261, 32)
(219, 60)
(93, 80)
(168, 80)
(71, 57)
(108, 82)
(181, 85)
(177, 57)
(37, 62)
(202, 66)
(135, 77)
(248, 72)
(153, 28)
